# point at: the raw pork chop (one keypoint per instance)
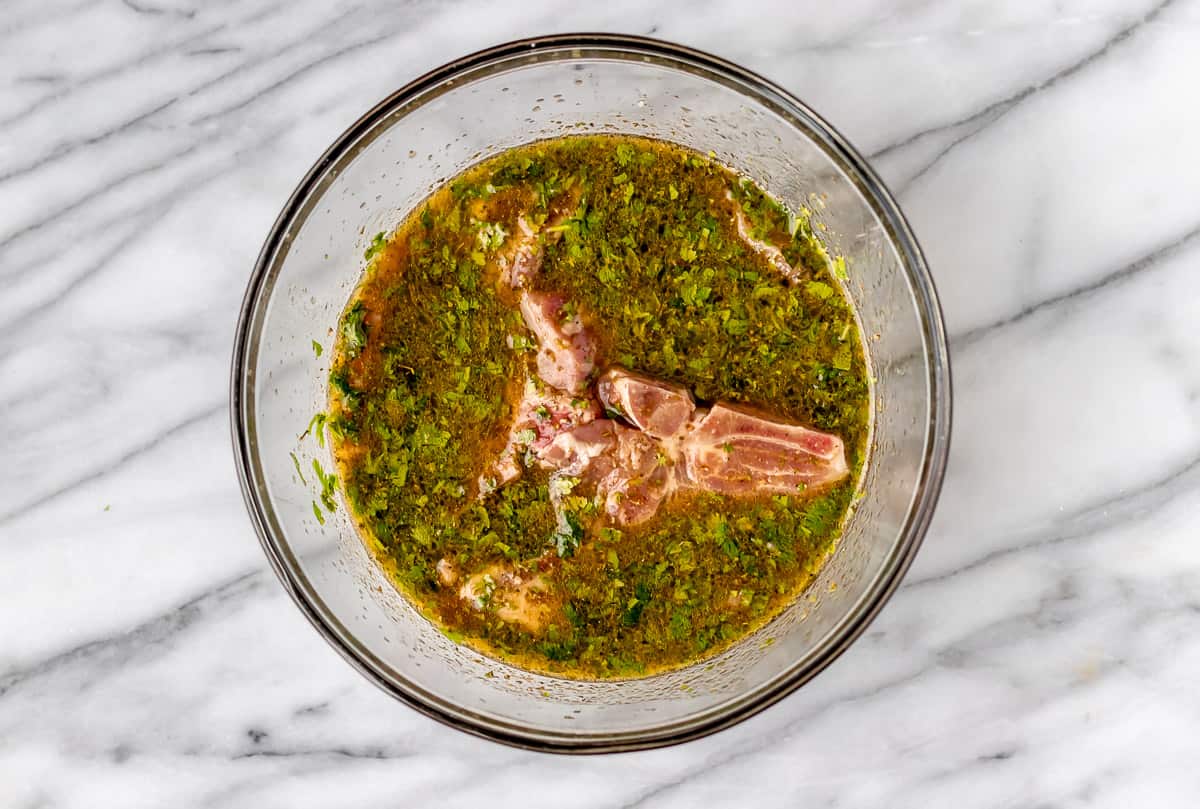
(541, 414)
(657, 408)
(736, 452)
(675, 446)
(566, 348)
(632, 472)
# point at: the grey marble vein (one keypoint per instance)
(1111, 511)
(1151, 260)
(979, 121)
(209, 413)
(115, 651)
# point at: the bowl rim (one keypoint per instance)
(928, 484)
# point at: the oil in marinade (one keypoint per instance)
(474, 343)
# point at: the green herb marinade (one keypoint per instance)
(429, 359)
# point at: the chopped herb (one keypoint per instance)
(296, 463)
(636, 606)
(429, 435)
(568, 536)
(843, 359)
(377, 244)
(737, 326)
(354, 330)
(316, 428)
(819, 289)
(491, 235)
(328, 484)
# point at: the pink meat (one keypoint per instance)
(631, 472)
(736, 452)
(566, 349)
(642, 478)
(657, 408)
(572, 452)
(727, 450)
(549, 412)
(541, 415)
(521, 257)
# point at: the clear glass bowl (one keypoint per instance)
(431, 130)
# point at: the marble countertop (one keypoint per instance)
(1045, 648)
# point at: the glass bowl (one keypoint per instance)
(427, 132)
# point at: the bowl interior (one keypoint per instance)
(388, 163)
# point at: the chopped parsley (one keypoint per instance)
(328, 483)
(296, 463)
(376, 246)
(354, 330)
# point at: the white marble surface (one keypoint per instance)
(1045, 649)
